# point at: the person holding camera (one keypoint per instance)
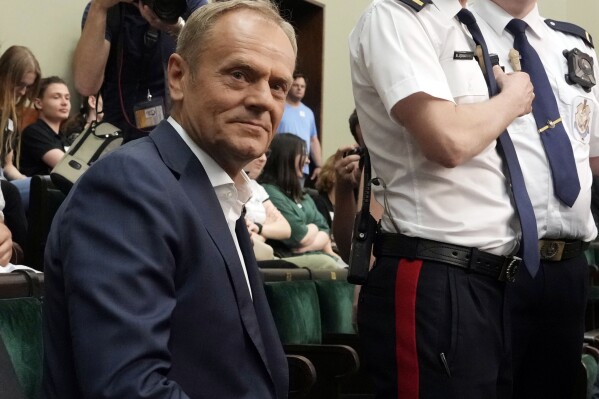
(122, 51)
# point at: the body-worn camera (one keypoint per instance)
(354, 151)
(168, 11)
(580, 69)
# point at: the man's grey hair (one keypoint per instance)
(198, 27)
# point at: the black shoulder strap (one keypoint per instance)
(11, 389)
(113, 20)
(571, 29)
(417, 5)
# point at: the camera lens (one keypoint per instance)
(168, 11)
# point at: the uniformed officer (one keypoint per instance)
(431, 314)
(548, 311)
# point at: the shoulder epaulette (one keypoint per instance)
(572, 29)
(417, 5)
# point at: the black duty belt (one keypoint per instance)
(502, 268)
(556, 250)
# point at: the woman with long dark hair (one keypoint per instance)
(19, 84)
(281, 180)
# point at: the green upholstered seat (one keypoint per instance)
(590, 366)
(21, 331)
(296, 311)
(294, 305)
(335, 298)
(284, 274)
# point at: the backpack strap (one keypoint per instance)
(114, 21)
(571, 29)
(416, 5)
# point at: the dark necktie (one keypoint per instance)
(529, 247)
(549, 122)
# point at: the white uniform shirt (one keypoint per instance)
(396, 52)
(578, 110)
(255, 210)
(231, 196)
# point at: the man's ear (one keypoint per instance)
(178, 76)
(37, 103)
(91, 102)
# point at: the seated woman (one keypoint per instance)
(325, 184)
(19, 82)
(264, 221)
(281, 180)
(42, 146)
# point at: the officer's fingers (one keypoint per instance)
(498, 72)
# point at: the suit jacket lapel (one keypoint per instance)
(195, 182)
(276, 360)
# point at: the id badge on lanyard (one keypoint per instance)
(149, 113)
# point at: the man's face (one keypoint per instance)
(298, 89)
(254, 168)
(233, 105)
(55, 105)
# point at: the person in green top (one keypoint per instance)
(281, 180)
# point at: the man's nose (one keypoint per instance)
(260, 95)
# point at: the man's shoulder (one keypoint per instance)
(35, 126)
(570, 29)
(416, 5)
(306, 109)
(37, 129)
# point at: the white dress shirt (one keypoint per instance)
(396, 52)
(231, 196)
(578, 110)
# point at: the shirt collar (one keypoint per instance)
(497, 18)
(448, 7)
(218, 177)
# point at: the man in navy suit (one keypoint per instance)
(152, 289)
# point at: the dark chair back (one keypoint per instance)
(44, 201)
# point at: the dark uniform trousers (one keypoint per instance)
(434, 331)
(548, 327)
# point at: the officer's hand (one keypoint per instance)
(518, 86)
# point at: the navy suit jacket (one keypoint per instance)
(145, 294)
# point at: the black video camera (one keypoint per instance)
(168, 11)
(354, 151)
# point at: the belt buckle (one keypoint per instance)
(551, 249)
(510, 269)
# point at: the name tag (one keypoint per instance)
(463, 55)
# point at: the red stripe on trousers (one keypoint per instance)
(406, 355)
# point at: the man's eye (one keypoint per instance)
(237, 75)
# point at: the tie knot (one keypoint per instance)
(466, 17)
(516, 26)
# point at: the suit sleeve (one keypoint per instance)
(118, 238)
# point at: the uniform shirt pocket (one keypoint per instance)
(578, 110)
(465, 80)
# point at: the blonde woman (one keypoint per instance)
(19, 83)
